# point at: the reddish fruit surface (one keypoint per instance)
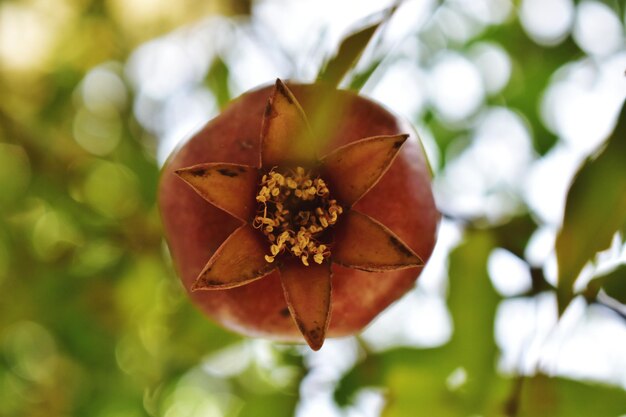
(402, 200)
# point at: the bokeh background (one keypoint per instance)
(510, 98)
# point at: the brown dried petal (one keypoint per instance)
(285, 133)
(354, 169)
(363, 243)
(238, 261)
(307, 292)
(230, 187)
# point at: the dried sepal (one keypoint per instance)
(230, 187)
(238, 261)
(285, 132)
(355, 168)
(363, 243)
(307, 292)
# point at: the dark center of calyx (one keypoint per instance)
(294, 211)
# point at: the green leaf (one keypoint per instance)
(473, 302)
(514, 234)
(594, 211)
(360, 79)
(268, 405)
(542, 396)
(413, 379)
(613, 283)
(412, 388)
(217, 81)
(350, 51)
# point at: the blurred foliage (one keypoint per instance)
(543, 396)
(217, 81)
(595, 210)
(93, 321)
(350, 50)
(614, 283)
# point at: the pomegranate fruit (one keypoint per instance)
(299, 227)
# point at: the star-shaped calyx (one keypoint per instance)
(297, 214)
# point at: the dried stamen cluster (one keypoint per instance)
(294, 209)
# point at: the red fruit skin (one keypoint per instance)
(402, 200)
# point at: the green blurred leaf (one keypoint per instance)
(514, 234)
(360, 79)
(594, 211)
(613, 283)
(542, 396)
(473, 302)
(350, 50)
(217, 80)
(412, 388)
(269, 405)
(414, 379)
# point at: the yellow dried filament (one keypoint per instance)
(295, 233)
